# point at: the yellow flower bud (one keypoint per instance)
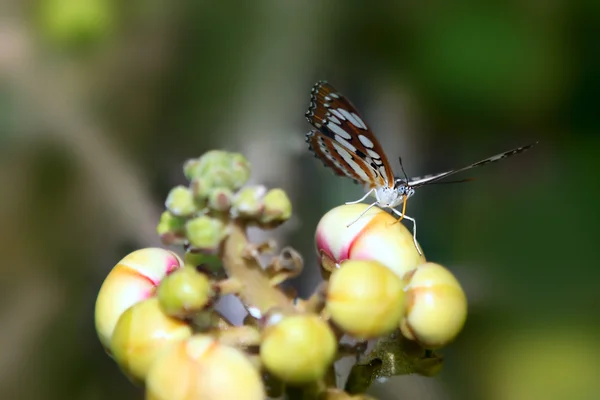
(202, 368)
(141, 333)
(298, 349)
(365, 299)
(277, 207)
(437, 306)
(133, 279)
(374, 236)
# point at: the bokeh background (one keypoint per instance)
(102, 101)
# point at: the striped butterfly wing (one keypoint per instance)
(424, 180)
(343, 141)
(324, 148)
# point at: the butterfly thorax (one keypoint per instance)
(390, 197)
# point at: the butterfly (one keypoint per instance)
(343, 142)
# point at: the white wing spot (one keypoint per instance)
(337, 129)
(350, 118)
(360, 121)
(334, 95)
(366, 141)
(348, 159)
(383, 173)
(345, 143)
(334, 119)
(338, 114)
(373, 154)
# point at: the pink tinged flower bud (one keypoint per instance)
(133, 279)
(374, 236)
(202, 368)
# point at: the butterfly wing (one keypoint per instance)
(341, 130)
(340, 159)
(424, 180)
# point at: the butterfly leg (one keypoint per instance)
(362, 198)
(361, 214)
(414, 227)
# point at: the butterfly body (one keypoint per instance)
(392, 197)
(343, 142)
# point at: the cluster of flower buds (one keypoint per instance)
(379, 281)
(156, 316)
(196, 215)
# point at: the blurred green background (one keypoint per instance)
(102, 101)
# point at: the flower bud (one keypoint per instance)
(133, 279)
(298, 349)
(205, 233)
(184, 293)
(226, 170)
(141, 333)
(205, 164)
(240, 170)
(365, 299)
(248, 202)
(171, 228)
(277, 207)
(220, 199)
(374, 236)
(190, 168)
(202, 368)
(180, 202)
(437, 306)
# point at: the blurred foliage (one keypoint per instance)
(101, 101)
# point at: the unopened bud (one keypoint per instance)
(205, 233)
(277, 207)
(248, 202)
(180, 202)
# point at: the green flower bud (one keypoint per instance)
(205, 233)
(190, 168)
(180, 202)
(205, 165)
(277, 207)
(170, 228)
(222, 169)
(184, 293)
(240, 170)
(220, 199)
(248, 203)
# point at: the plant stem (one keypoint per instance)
(256, 290)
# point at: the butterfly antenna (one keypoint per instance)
(403, 171)
(444, 182)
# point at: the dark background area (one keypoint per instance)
(102, 101)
